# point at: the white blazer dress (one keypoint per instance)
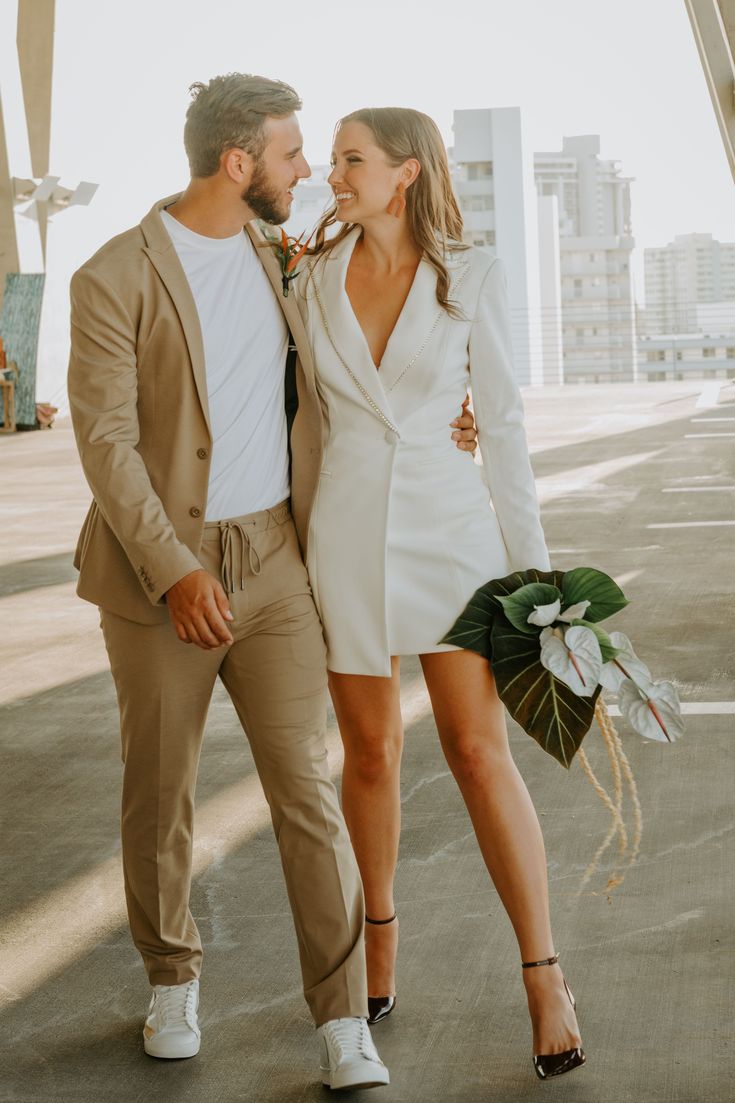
(404, 526)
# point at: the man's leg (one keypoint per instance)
(275, 673)
(163, 688)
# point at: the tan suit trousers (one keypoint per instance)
(275, 673)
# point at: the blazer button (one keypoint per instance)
(202, 453)
(391, 436)
(195, 512)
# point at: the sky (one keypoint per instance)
(627, 70)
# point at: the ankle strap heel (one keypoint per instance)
(547, 1065)
(544, 961)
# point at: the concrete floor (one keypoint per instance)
(648, 964)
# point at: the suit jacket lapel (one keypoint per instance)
(420, 318)
(287, 303)
(162, 255)
(341, 324)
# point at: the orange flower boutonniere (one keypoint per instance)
(289, 251)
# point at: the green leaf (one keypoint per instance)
(587, 584)
(521, 603)
(549, 711)
(608, 650)
(472, 627)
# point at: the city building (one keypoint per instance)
(311, 199)
(493, 180)
(595, 246)
(680, 356)
(690, 285)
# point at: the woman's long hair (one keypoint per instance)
(431, 207)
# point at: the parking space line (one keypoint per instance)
(695, 708)
(689, 524)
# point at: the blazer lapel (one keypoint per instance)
(287, 303)
(419, 320)
(162, 255)
(342, 327)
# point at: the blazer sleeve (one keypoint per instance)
(103, 396)
(498, 410)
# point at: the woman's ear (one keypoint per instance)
(409, 171)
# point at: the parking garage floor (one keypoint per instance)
(636, 480)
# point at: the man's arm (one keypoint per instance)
(103, 396)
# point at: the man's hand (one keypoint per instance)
(465, 432)
(198, 607)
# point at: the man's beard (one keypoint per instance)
(263, 198)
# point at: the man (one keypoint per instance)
(180, 333)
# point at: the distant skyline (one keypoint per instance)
(628, 71)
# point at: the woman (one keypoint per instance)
(402, 319)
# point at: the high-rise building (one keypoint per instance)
(690, 285)
(311, 199)
(493, 179)
(595, 246)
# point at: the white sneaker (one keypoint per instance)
(348, 1055)
(171, 1028)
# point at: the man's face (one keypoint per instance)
(280, 167)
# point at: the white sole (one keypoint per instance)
(183, 1052)
(375, 1076)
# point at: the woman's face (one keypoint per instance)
(362, 180)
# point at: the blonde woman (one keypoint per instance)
(405, 527)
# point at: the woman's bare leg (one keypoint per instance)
(470, 718)
(369, 715)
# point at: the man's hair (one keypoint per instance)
(230, 112)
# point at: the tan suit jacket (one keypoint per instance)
(138, 396)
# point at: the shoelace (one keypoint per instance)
(177, 1004)
(350, 1037)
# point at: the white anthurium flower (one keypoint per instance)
(575, 612)
(625, 665)
(574, 658)
(544, 614)
(654, 712)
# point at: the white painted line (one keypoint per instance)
(707, 420)
(710, 395)
(551, 487)
(689, 524)
(695, 708)
(694, 489)
(701, 436)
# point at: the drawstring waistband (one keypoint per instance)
(227, 545)
(237, 536)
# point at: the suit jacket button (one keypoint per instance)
(195, 511)
(202, 453)
(391, 436)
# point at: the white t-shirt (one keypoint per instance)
(245, 344)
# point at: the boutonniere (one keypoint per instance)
(289, 251)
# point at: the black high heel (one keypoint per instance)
(379, 1007)
(555, 1064)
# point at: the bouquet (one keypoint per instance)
(551, 659)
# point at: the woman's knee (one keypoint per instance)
(371, 756)
(473, 756)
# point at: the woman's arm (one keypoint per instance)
(499, 411)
